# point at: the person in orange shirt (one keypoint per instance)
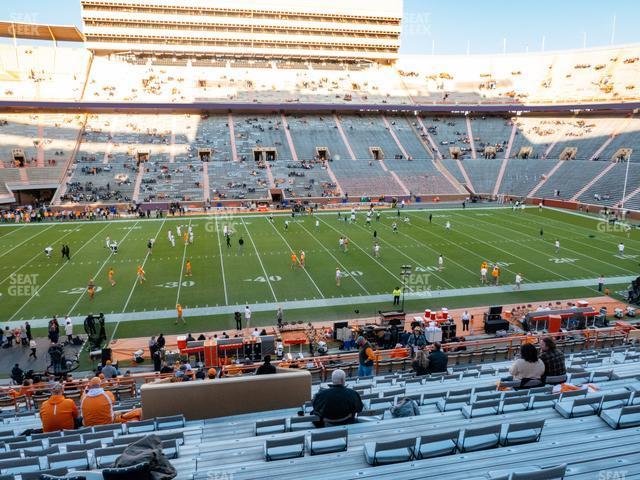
(58, 413)
(111, 274)
(91, 289)
(141, 277)
(484, 265)
(185, 237)
(96, 405)
(294, 260)
(188, 268)
(495, 273)
(180, 317)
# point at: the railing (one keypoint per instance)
(592, 338)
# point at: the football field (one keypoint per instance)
(225, 278)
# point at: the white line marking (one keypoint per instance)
(291, 250)
(98, 273)
(344, 269)
(55, 273)
(135, 281)
(266, 275)
(184, 256)
(224, 282)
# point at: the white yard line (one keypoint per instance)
(18, 228)
(135, 282)
(432, 231)
(414, 239)
(369, 255)
(33, 258)
(99, 270)
(614, 238)
(184, 256)
(344, 269)
(512, 254)
(354, 300)
(224, 282)
(25, 241)
(568, 239)
(291, 250)
(37, 292)
(266, 275)
(457, 208)
(407, 256)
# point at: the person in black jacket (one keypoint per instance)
(437, 359)
(266, 368)
(336, 405)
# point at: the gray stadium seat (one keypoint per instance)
(328, 442)
(266, 427)
(522, 432)
(578, 407)
(282, 449)
(438, 444)
(623, 417)
(382, 453)
(480, 438)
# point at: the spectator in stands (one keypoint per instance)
(417, 340)
(212, 373)
(266, 368)
(166, 368)
(438, 360)
(58, 413)
(365, 357)
(336, 405)
(17, 375)
(97, 405)
(109, 371)
(528, 367)
(421, 363)
(552, 358)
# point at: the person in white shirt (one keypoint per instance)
(47, 251)
(518, 281)
(465, 321)
(447, 225)
(440, 262)
(317, 224)
(68, 328)
(338, 277)
(247, 316)
(255, 333)
(341, 243)
(108, 242)
(483, 275)
(621, 248)
(557, 244)
(376, 250)
(528, 366)
(179, 230)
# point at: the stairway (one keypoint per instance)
(592, 182)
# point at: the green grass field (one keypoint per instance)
(34, 287)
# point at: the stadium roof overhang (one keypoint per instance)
(40, 31)
(213, 107)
